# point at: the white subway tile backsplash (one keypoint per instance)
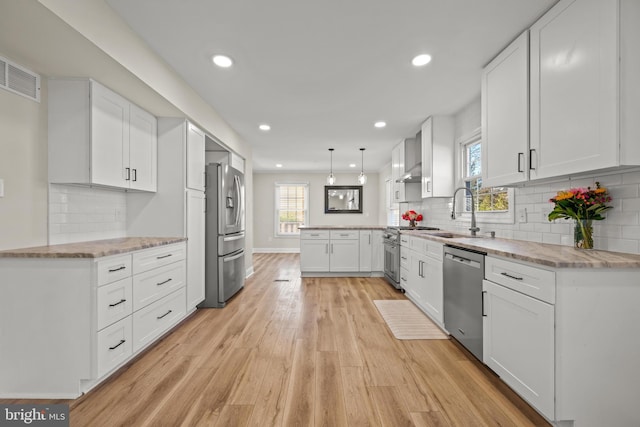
(80, 213)
(620, 231)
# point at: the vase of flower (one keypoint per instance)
(413, 217)
(583, 205)
(583, 234)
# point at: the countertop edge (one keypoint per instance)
(543, 254)
(92, 248)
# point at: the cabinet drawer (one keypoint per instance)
(405, 240)
(115, 302)
(404, 257)
(157, 257)
(535, 282)
(156, 318)
(114, 345)
(114, 268)
(344, 234)
(404, 278)
(434, 249)
(152, 285)
(314, 234)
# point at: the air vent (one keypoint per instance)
(17, 79)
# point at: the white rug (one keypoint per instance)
(407, 322)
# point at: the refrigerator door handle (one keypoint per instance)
(228, 259)
(232, 238)
(236, 181)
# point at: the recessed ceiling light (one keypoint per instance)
(222, 61)
(265, 127)
(352, 165)
(278, 165)
(380, 124)
(421, 60)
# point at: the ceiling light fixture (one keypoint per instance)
(331, 180)
(264, 127)
(352, 165)
(278, 165)
(421, 60)
(362, 178)
(222, 61)
(380, 124)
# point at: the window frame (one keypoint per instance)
(276, 210)
(497, 217)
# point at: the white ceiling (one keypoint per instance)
(322, 72)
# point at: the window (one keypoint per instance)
(292, 208)
(489, 200)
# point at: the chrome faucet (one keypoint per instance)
(473, 228)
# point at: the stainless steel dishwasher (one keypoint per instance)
(463, 271)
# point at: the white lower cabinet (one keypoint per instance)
(151, 321)
(84, 317)
(344, 250)
(314, 251)
(421, 274)
(518, 333)
(114, 345)
(335, 251)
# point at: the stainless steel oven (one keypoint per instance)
(392, 259)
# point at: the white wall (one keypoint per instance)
(264, 206)
(23, 167)
(620, 232)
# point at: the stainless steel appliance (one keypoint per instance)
(224, 271)
(391, 242)
(463, 271)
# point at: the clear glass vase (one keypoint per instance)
(583, 234)
(412, 223)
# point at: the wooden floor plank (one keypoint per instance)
(289, 351)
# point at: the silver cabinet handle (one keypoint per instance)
(164, 256)
(162, 283)
(520, 156)
(118, 303)
(531, 152)
(113, 270)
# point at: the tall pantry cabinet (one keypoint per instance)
(178, 208)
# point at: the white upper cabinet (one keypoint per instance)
(143, 149)
(438, 157)
(579, 102)
(584, 95)
(195, 158)
(97, 137)
(505, 115)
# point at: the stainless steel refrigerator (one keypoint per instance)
(224, 271)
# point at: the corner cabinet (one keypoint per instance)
(97, 137)
(505, 115)
(438, 157)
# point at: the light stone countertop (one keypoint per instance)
(557, 256)
(91, 249)
(342, 227)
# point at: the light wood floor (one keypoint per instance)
(301, 352)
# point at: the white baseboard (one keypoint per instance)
(276, 250)
(248, 272)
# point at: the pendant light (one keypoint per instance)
(331, 180)
(362, 178)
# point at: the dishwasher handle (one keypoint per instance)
(461, 260)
